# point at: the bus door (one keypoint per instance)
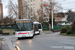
(40, 27)
(36, 28)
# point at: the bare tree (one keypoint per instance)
(25, 9)
(7, 20)
(71, 16)
(40, 13)
(56, 6)
(48, 8)
(34, 17)
(12, 9)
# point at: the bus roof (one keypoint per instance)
(36, 23)
(22, 19)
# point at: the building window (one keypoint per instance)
(25, 0)
(31, 0)
(34, 9)
(31, 6)
(34, 5)
(28, 3)
(28, 6)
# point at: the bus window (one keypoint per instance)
(39, 26)
(36, 27)
(24, 26)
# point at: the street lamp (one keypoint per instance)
(52, 12)
(52, 9)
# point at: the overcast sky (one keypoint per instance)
(66, 4)
(5, 3)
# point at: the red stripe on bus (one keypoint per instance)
(24, 33)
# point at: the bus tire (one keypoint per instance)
(32, 37)
(19, 38)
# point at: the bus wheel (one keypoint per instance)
(32, 37)
(19, 38)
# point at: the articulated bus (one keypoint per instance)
(24, 28)
(37, 27)
(27, 28)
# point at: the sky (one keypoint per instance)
(5, 3)
(66, 4)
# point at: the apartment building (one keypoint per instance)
(29, 8)
(1, 12)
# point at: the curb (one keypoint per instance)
(6, 44)
(6, 34)
(0, 45)
(17, 48)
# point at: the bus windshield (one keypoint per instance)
(24, 26)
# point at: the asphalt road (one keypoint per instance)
(52, 41)
(47, 42)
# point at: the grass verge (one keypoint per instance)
(67, 34)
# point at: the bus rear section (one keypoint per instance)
(24, 28)
(37, 27)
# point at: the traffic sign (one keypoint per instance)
(51, 8)
(46, 4)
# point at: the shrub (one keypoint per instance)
(64, 30)
(0, 31)
(73, 27)
(69, 32)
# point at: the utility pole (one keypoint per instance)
(52, 12)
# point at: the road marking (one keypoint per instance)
(17, 48)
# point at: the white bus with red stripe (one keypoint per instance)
(24, 28)
(37, 27)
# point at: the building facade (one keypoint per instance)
(29, 8)
(1, 12)
(20, 9)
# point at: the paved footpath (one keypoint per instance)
(0, 44)
(48, 32)
(6, 44)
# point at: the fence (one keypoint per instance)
(6, 29)
(57, 27)
(46, 27)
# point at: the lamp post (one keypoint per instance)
(52, 9)
(52, 12)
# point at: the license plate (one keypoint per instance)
(23, 36)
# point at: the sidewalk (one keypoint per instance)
(7, 44)
(0, 44)
(48, 32)
(3, 46)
